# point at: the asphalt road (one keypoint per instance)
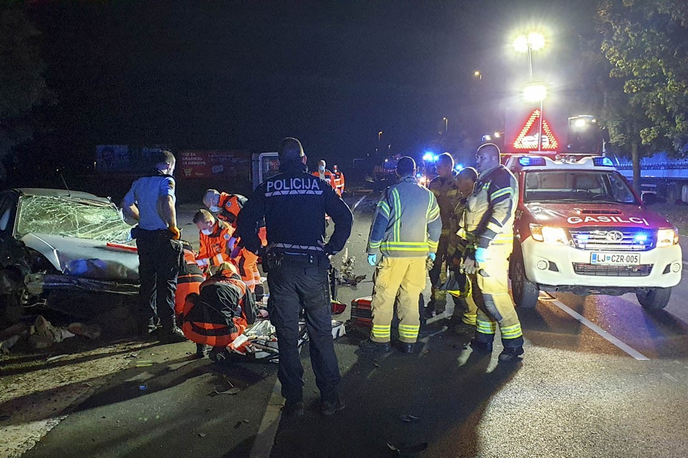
(600, 377)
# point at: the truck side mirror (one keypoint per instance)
(649, 198)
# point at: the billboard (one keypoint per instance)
(124, 159)
(195, 164)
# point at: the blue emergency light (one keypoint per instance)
(602, 161)
(531, 161)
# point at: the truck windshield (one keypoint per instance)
(576, 186)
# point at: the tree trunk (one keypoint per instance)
(635, 159)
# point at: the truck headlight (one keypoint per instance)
(548, 234)
(667, 237)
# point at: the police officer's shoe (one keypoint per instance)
(172, 335)
(405, 347)
(330, 408)
(368, 346)
(511, 354)
(481, 347)
(293, 409)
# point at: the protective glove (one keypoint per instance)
(372, 259)
(469, 266)
(481, 255)
(429, 263)
(176, 233)
(432, 256)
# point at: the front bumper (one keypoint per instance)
(553, 265)
(38, 283)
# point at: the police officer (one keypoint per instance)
(151, 201)
(294, 204)
(487, 229)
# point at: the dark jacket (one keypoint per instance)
(294, 204)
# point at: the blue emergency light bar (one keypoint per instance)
(602, 161)
(532, 161)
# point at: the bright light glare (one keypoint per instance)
(521, 44)
(579, 123)
(535, 92)
(427, 157)
(487, 138)
(554, 235)
(497, 135)
(667, 237)
(536, 41)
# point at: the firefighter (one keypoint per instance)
(466, 311)
(446, 191)
(219, 313)
(225, 206)
(487, 230)
(337, 180)
(151, 202)
(294, 204)
(216, 241)
(406, 228)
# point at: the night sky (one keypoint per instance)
(242, 75)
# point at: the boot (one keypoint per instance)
(511, 354)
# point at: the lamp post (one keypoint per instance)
(445, 125)
(379, 137)
(536, 92)
(527, 44)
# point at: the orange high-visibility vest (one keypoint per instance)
(189, 281)
(214, 249)
(230, 206)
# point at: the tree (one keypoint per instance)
(22, 85)
(646, 96)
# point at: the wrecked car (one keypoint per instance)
(62, 246)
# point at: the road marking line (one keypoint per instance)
(265, 439)
(618, 343)
(356, 204)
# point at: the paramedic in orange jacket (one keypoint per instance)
(337, 180)
(227, 207)
(189, 278)
(215, 239)
(219, 313)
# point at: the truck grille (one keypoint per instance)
(594, 270)
(613, 239)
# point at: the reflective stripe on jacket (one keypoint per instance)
(407, 221)
(214, 249)
(490, 209)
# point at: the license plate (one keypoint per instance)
(615, 259)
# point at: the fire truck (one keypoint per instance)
(579, 226)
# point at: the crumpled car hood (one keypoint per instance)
(85, 258)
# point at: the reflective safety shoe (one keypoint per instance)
(368, 346)
(405, 347)
(510, 355)
(482, 347)
(293, 409)
(330, 408)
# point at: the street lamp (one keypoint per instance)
(379, 136)
(527, 44)
(536, 92)
(445, 125)
(477, 74)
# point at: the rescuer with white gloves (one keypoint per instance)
(487, 228)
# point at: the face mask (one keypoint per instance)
(214, 208)
(206, 231)
(322, 169)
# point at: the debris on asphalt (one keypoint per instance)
(202, 434)
(231, 391)
(401, 451)
(408, 418)
(55, 358)
(143, 363)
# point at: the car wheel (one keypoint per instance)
(525, 292)
(654, 298)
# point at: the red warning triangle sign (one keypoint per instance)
(527, 138)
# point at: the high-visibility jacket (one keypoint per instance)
(247, 265)
(216, 248)
(490, 209)
(407, 221)
(221, 311)
(338, 182)
(189, 280)
(327, 176)
(446, 191)
(230, 206)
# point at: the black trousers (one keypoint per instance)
(300, 282)
(159, 262)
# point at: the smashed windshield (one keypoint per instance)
(577, 186)
(71, 217)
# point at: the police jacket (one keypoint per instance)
(294, 204)
(446, 191)
(490, 209)
(407, 221)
